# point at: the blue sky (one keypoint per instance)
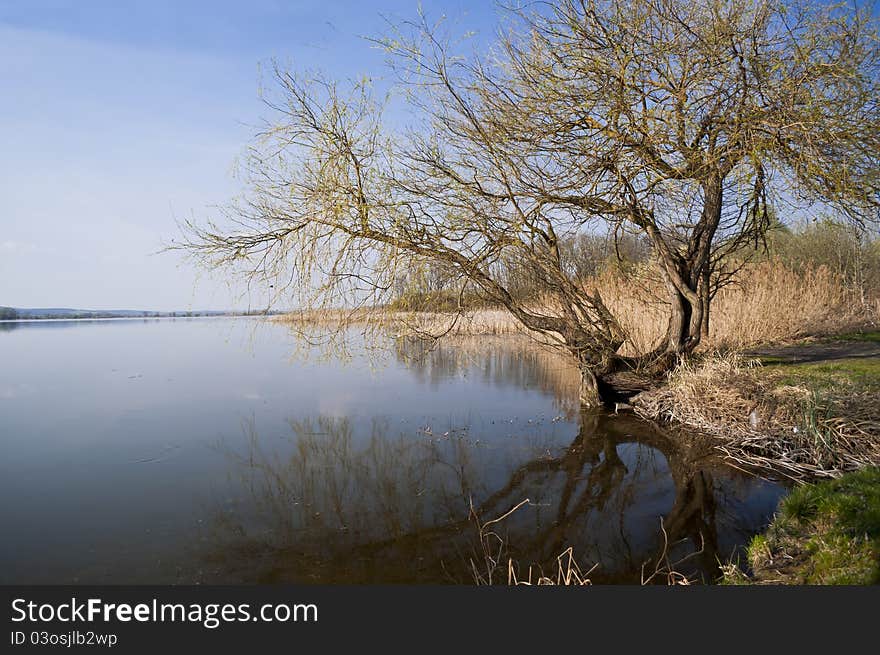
(116, 117)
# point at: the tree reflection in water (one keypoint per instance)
(342, 504)
(506, 362)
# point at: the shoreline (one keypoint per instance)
(801, 409)
(805, 419)
(125, 318)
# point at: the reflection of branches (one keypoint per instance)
(593, 473)
(506, 362)
(328, 483)
(693, 517)
(357, 502)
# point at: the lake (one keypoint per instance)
(210, 451)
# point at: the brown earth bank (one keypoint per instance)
(804, 411)
(807, 411)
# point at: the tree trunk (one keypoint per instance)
(706, 297)
(687, 275)
(589, 392)
(686, 322)
(679, 322)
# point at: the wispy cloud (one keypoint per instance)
(15, 246)
(24, 247)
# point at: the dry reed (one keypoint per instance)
(492, 548)
(768, 302)
(791, 430)
(665, 569)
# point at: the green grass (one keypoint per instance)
(862, 374)
(826, 533)
(853, 499)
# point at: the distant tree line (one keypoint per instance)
(850, 252)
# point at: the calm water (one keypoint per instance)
(199, 451)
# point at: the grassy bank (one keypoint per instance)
(796, 413)
(827, 533)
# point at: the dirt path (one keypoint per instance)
(819, 351)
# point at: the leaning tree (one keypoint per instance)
(683, 122)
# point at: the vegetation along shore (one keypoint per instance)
(657, 191)
(787, 385)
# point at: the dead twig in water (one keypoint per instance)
(493, 545)
(664, 568)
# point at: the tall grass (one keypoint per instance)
(772, 302)
(768, 302)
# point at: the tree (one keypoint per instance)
(680, 122)
(8, 314)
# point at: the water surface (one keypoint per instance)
(199, 451)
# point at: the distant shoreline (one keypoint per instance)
(8, 313)
(130, 318)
